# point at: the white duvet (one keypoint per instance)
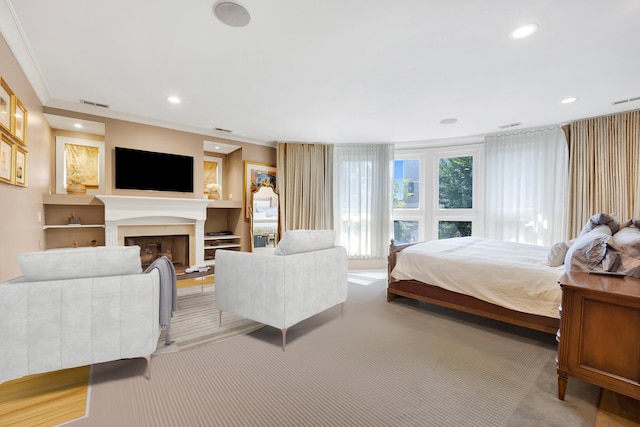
(512, 275)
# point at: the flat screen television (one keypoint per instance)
(148, 170)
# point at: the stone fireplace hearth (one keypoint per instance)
(131, 216)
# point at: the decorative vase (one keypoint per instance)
(76, 188)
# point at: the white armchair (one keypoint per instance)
(306, 275)
(75, 307)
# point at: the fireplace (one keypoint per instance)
(174, 247)
(132, 216)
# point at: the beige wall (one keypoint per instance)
(21, 209)
(20, 230)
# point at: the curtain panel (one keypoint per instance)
(305, 184)
(363, 179)
(604, 168)
(526, 186)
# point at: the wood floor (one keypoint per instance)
(57, 397)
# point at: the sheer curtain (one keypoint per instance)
(362, 198)
(526, 186)
(604, 168)
(305, 184)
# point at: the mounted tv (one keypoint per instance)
(147, 170)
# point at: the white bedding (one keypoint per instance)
(511, 275)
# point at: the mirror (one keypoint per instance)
(263, 219)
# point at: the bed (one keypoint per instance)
(505, 281)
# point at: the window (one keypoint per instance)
(437, 193)
(408, 212)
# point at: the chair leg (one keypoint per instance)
(147, 371)
(220, 318)
(284, 338)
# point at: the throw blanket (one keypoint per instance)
(168, 292)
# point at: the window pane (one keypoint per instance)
(448, 229)
(406, 184)
(455, 188)
(405, 231)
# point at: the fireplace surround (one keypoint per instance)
(128, 216)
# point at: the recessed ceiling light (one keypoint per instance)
(523, 31)
(217, 147)
(232, 14)
(569, 100)
(77, 125)
(173, 100)
(448, 121)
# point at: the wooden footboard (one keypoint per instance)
(442, 297)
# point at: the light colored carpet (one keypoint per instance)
(196, 322)
(383, 364)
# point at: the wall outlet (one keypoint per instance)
(230, 196)
(39, 217)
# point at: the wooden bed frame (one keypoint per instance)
(439, 296)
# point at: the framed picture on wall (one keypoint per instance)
(20, 122)
(6, 107)
(80, 161)
(20, 164)
(6, 161)
(213, 177)
(254, 174)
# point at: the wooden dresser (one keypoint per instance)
(599, 336)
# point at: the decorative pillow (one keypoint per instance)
(626, 243)
(558, 252)
(73, 263)
(297, 241)
(601, 219)
(588, 250)
(262, 204)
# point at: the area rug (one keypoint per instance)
(196, 322)
(382, 364)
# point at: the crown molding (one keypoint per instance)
(15, 37)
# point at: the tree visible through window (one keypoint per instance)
(455, 185)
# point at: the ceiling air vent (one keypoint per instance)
(512, 125)
(222, 130)
(95, 104)
(624, 101)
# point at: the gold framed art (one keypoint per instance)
(254, 174)
(19, 121)
(80, 161)
(6, 107)
(6, 160)
(20, 166)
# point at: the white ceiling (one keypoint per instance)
(334, 71)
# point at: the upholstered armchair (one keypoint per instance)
(306, 275)
(75, 307)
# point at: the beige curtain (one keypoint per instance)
(305, 183)
(604, 168)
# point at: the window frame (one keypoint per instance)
(428, 214)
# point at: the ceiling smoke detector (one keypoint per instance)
(232, 14)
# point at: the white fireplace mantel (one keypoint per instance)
(133, 210)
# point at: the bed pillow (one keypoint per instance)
(588, 250)
(626, 243)
(73, 263)
(297, 241)
(601, 219)
(558, 252)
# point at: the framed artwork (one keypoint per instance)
(6, 161)
(254, 174)
(6, 107)
(20, 122)
(20, 166)
(212, 174)
(79, 161)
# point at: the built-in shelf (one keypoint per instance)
(232, 204)
(70, 199)
(223, 241)
(45, 227)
